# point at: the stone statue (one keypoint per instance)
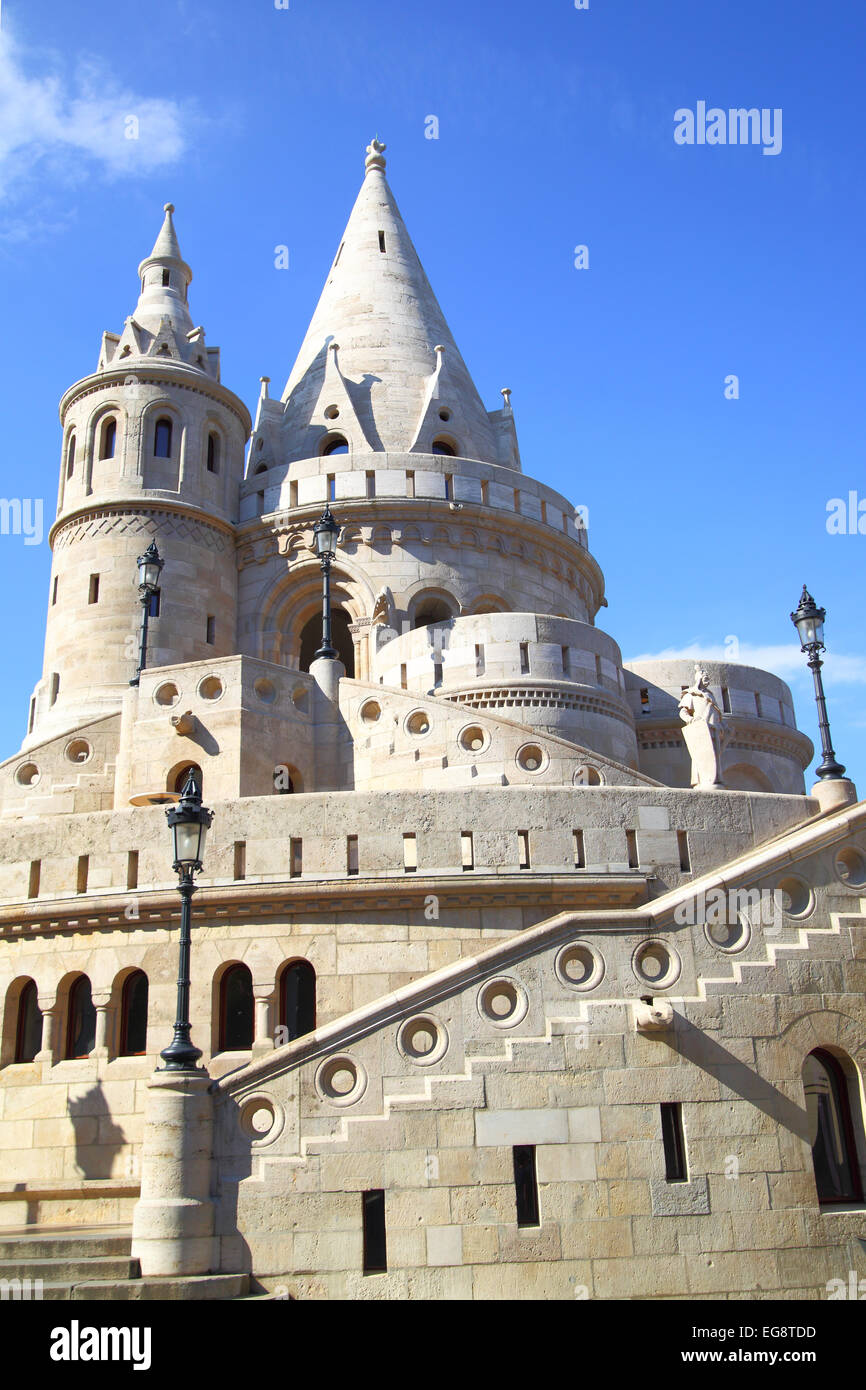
(703, 731)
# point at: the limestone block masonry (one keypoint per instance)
(491, 1004)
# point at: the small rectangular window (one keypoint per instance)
(410, 853)
(166, 279)
(260, 504)
(579, 850)
(332, 487)
(544, 511)
(479, 659)
(375, 1245)
(296, 858)
(132, 869)
(685, 857)
(524, 658)
(55, 687)
(371, 483)
(523, 859)
(674, 1141)
(211, 630)
(467, 850)
(82, 873)
(631, 848)
(525, 1185)
(240, 865)
(293, 494)
(54, 590)
(449, 487)
(381, 241)
(517, 499)
(410, 482)
(153, 605)
(758, 706)
(403, 680)
(93, 591)
(32, 717)
(726, 700)
(566, 661)
(351, 854)
(35, 875)
(597, 669)
(644, 700)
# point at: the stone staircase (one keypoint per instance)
(94, 1263)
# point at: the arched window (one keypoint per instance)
(212, 453)
(28, 1036)
(236, 1010)
(81, 1020)
(108, 439)
(336, 445)
(133, 1015)
(298, 999)
(431, 610)
(70, 456)
(162, 439)
(834, 1151)
(441, 446)
(183, 774)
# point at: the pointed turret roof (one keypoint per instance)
(160, 325)
(378, 307)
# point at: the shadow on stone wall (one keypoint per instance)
(98, 1140)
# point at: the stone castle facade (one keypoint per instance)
(474, 1026)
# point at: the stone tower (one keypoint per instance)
(152, 450)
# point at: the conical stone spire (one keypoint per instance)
(378, 305)
(165, 278)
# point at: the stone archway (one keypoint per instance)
(341, 639)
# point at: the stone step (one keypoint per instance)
(195, 1288)
(71, 1269)
(43, 1243)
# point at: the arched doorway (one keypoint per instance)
(341, 638)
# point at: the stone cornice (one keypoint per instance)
(140, 504)
(157, 374)
(249, 901)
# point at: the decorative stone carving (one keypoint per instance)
(383, 609)
(703, 731)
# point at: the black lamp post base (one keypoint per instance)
(326, 653)
(829, 770)
(181, 1054)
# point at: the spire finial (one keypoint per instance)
(168, 207)
(506, 393)
(375, 153)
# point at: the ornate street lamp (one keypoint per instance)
(149, 568)
(325, 533)
(189, 822)
(808, 619)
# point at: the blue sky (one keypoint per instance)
(556, 129)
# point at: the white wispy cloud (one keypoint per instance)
(68, 123)
(786, 660)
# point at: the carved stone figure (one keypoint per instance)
(703, 731)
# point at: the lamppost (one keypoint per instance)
(189, 822)
(325, 534)
(149, 568)
(808, 619)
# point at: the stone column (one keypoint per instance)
(101, 1002)
(329, 727)
(50, 1030)
(173, 1224)
(263, 1040)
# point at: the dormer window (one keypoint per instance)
(162, 439)
(108, 439)
(441, 446)
(336, 445)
